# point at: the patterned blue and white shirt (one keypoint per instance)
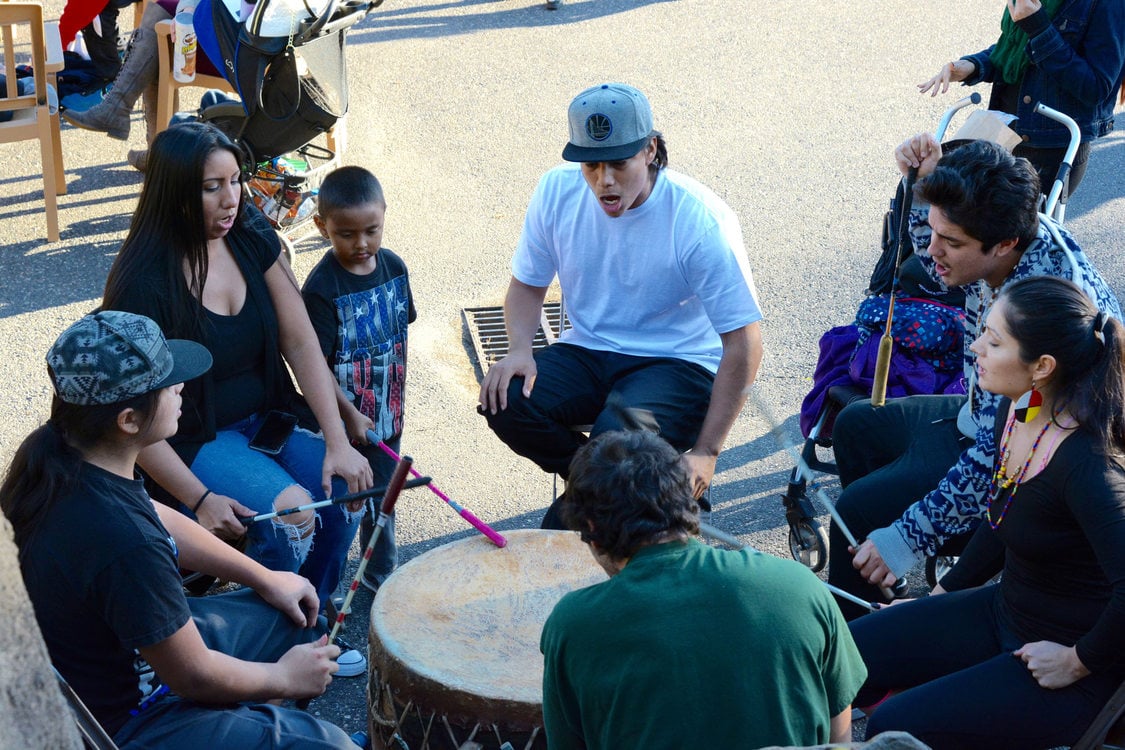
(959, 501)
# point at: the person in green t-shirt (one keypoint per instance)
(685, 645)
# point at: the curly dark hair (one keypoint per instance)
(986, 191)
(628, 490)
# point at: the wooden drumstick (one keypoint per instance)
(886, 342)
(806, 474)
(465, 513)
(394, 487)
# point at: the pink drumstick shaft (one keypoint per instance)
(465, 513)
(394, 487)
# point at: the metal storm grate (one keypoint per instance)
(490, 338)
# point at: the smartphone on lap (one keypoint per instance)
(273, 432)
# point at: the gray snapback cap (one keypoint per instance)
(609, 122)
(113, 356)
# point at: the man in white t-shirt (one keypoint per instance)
(658, 290)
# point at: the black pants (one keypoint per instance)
(103, 47)
(951, 655)
(580, 386)
(888, 458)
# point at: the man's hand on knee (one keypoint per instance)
(494, 387)
(701, 470)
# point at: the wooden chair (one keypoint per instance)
(31, 116)
(168, 88)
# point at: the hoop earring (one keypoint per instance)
(1027, 405)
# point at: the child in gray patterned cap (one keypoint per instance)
(101, 564)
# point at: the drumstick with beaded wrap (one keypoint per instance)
(394, 487)
(247, 520)
(806, 473)
(476, 523)
(729, 539)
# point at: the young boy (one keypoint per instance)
(359, 301)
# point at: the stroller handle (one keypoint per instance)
(943, 124)
(1068, 157)
(314, 29)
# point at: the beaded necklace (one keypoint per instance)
(1000, 479)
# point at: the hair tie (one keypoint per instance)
(1099, 326)
(199, 502)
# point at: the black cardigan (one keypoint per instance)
(255, 247)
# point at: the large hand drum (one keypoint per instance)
(454, 641)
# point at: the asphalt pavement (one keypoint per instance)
(789, 111)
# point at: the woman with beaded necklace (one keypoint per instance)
(1028, 662)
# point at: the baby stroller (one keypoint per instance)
(288, 64)
(928, 308)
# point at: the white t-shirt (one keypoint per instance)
(662, 280)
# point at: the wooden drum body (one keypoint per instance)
(454, 641)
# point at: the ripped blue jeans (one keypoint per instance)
(228, 466)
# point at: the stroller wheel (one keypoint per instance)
(938, 566)
(808, 544)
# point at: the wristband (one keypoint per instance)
(199, 502)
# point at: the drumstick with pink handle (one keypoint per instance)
(394, 487)
(477, 524)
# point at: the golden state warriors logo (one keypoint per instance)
(598, 127)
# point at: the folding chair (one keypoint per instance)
(93, 736)
(1108, 730)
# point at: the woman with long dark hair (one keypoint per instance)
(1028, 662)
(208, 268)
(101, 564)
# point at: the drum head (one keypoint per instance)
(457, 628)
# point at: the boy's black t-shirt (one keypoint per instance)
(361, 323)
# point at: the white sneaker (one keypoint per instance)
(352, 663)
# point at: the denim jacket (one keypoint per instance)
(1076, 67)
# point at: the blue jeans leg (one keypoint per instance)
(303, 457)
(243, 625)
(230, 467)
(176, 724)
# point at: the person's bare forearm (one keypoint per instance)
(523, 307)
(202, 551)
(840, 729)
(742, 354)
(161, 462)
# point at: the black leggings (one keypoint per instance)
(951, 655)
(889, 457)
